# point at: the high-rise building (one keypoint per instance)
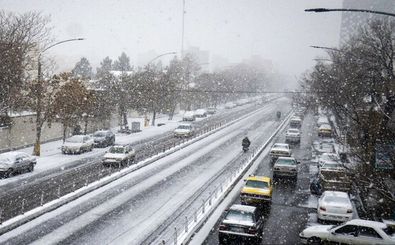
(351, 21)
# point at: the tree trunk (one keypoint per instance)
(64, 133)
(85, 125)
(153, 118)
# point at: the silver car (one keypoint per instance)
(16, 162)
(285, 167)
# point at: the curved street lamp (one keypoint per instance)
(321, 10)
(36, 149)
(157, 57)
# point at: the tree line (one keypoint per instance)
(76, 96)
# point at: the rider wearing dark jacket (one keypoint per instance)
(246, 142)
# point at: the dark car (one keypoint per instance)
(103, 138)
(16, 162)
(241, 223)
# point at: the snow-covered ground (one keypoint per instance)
(52, 158)
(130, 208)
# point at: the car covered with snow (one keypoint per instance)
(189, 116)
(295, 122)
(241, 223)
(77, 144)
(292, 135)
(356, 231)
(211, 110)
(322, 120)
(331, 160)
(280, 150)
(285, 167)
(257, 190)
(16, 162)
(200, 113)
(184, 130)
(119, 155)
(335, 206)
(229, 105)
(103, 138)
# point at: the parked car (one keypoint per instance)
(241, 223)
(229, 105)
(16, 162)
(325, 130)
(292, 136)
(334, 206)
(184, 130)
(119, 155)
(279, 150)
(77, 144)
(324, 147)
(295, 122)
(257, 190)
(200, 113)
(355, 231)
(189, 116)
(322, 120)
(328, 159)
(285, 167)
(103, 138)
(211, 110)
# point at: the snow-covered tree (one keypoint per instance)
(82, 69)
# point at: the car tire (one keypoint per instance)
(30, 168)
(9, 173)
(314, 240)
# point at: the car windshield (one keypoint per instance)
(284, 161)
(117, 150)
(279, 146)
(390, 231)
(99, 134)
(332, 165)
(238, 215)
(75, 139)
(257, 184)
(184, 127)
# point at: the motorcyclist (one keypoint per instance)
(278, 115)
(246, 142)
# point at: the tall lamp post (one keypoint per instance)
(39, 120)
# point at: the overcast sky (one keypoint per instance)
(278, 30)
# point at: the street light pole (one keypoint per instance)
(183, 27)
(157, 57)
(322, 10)
(39, 89)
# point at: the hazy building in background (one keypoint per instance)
(203, 57)
(351, 21)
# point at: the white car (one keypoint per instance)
(295, 122)
(77, 144)
(322, 120)
(184, 130)
(119, 155)
(292, 135)
(334, 206)
(280, 150)
(200, 113)
(189, 116)
(229, 105)
(285, 167)
(329, 159)
(355, 231)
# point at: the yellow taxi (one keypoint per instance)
(257, 190)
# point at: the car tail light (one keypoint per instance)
(349, 211)
(252, 230)
(223, 227)
(323, 208)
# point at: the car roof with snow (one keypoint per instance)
(335, 194)
(362, 222)
(325, 126)
(184, 124)
(280, 145)
(12, 154)
(243, 208)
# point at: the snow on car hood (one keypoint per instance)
(70, 144)
(114, 155)
(182, 130)
(317, 230)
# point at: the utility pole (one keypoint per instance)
(183, 27)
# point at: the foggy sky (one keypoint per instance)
(279, 30)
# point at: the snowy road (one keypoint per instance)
(25, 192)
(131, 209)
